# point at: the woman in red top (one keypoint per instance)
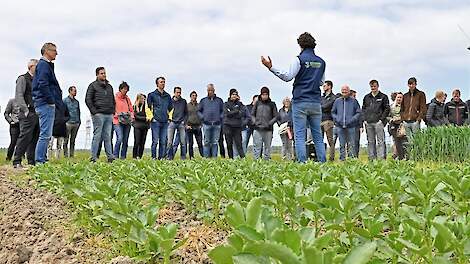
(123, 118)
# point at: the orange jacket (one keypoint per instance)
(123, 104)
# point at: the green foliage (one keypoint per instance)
(272, 241)
(381, 212)
(445, 143)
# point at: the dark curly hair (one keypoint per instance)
(306, 41)
(124, 85)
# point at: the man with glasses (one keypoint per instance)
(46, 94)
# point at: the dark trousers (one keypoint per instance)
(27, 140)
(140, 135)
(221, 143)
(194, 133)
(14, 134)
(233, 135)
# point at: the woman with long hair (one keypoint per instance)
(143, 116)
(285, 125)
(398, 136)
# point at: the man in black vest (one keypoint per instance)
(29, 121)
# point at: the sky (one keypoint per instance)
(193, 43)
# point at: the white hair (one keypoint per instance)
(287, 99)
(32, 62)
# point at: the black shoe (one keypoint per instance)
(92, 160)
(110, 160)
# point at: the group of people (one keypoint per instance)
(345, 119)
(39, 117)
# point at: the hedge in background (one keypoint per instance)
(446, 143)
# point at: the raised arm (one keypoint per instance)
(283, 75)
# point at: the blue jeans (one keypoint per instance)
(102, 130)
(176, 142)
(180, 127)
(303, 113)
(347, 136)
(211, 140)
(159, 137)
(122, 137)
(46, 115)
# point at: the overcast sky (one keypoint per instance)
(193, 43)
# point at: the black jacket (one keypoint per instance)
(456, 112)
(435, 115)
(100, 98)
(264, 114)
(250, 123)
(235, 114)
(140, 117)
(375, 108)
(284, 116)
(327, 102)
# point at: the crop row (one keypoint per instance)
(384, 212)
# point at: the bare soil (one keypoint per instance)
(36, 227)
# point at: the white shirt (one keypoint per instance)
(294, 69)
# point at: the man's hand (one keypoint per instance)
(267, 62)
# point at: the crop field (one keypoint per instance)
(244, 211)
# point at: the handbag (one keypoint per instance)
(283, 128)
(125, 118)
(401, 131)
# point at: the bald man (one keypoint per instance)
(346, 114)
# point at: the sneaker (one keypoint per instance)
(110, 160)
(18, 166)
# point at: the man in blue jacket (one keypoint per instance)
(308, 70)
(46, 94)
(211, 113)
(346, 114)
(160, 103)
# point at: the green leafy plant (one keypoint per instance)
(444, 143)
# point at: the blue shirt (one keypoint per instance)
(211, 110)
